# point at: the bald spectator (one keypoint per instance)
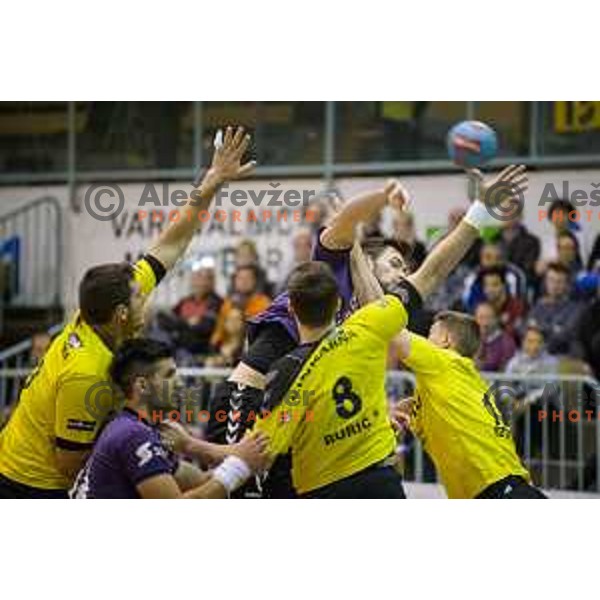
(198, 312)
(491, 257)
(302, 242)
(497, 346)
(556, 313)
(191, 323)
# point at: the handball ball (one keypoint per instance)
(472, 144)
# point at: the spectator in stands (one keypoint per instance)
(491, 257)
(568, 253)
(197, 313)
(556, 313)
(588, 334)
(246, 254)
(558, 217)
(519, 246)
(497, 346)
(594, 260)
(229, 348)
(404, 232)
(302, 242)
(40, 341)
(510, 310)
(533, 356)
(245, 296)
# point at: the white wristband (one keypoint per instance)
(478, 215)
(231, 473)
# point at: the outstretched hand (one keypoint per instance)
(505, 189)
(229, 150)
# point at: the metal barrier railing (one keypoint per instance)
(560, 449)
(38, 227)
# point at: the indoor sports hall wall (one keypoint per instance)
(88, 241)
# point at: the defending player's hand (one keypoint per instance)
(253, 451)
(397, 195)
(400, 415)
(174, 436)
(229, 151)
(505, 190)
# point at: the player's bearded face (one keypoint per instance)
(390, 267)
(162, 390)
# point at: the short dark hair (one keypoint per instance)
(375, 245)
(102, 289)
(464, 331)
(560, 204)
(313, 292)
(498, 270)
(558, 268)
(533, 325)
(137, 357)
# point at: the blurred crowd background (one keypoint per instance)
(537, 305)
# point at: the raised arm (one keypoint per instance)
(341, 231)
(501, 191)
(226, 166)
(365, 284)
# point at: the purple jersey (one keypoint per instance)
(339, 261)
(128, 451)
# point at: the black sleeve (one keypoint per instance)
(406, 292)
(157, 267)
(271, 343)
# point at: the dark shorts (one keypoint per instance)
(511, 488)
(378, 482)
(10, 489)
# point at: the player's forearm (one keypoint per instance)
(174, 241)
(212, 489)
(207, 453)
(444, 258)
(362, 209)
(365, 284)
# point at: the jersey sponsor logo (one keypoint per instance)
(147, 451)
(74, 341)
(81, 425)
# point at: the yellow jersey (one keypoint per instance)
(326, 402)
(457, 422)
(55, 406)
